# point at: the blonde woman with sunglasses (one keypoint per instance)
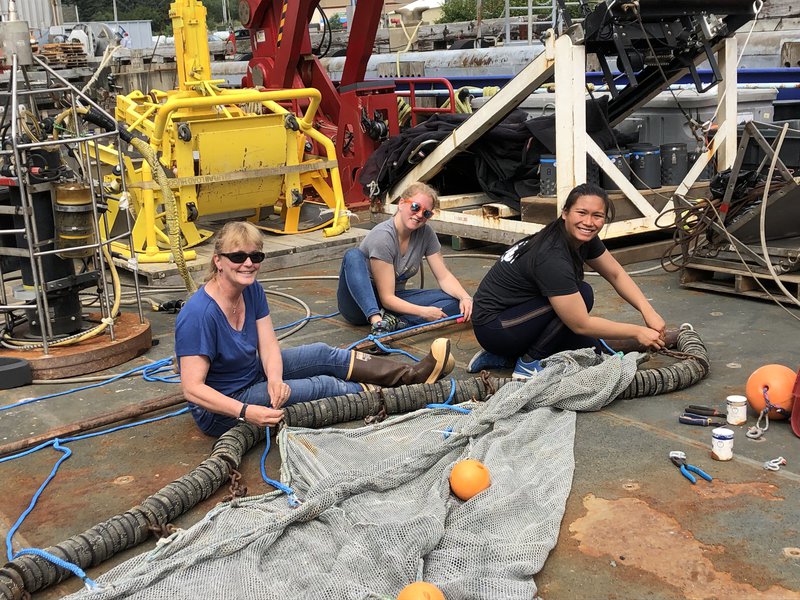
(373, 277)
(231, 366)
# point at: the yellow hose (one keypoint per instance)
(171, 211)
(94, 331)
(461, 106)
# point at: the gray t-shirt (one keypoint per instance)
(381, 243)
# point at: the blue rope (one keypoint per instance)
(460, 409)
(447, 403)
(276, 484)
(68, 566)
(151, 372)
(95, 434)
(306, 319)
(153, 367)
(56, 443)
(66, 452)
(389, 350)
(452, 391)
(609, 348)
(375, 338)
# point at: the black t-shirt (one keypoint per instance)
(520, 276)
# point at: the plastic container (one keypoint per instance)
(547, 175)
(674, 163)
(662, 119)
(737, 409)
(722, 443)
(645, 166)
(621, 159)
(707, 173)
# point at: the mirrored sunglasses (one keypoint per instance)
(240, 257)
(416, 207)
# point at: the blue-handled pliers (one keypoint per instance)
(678, 459)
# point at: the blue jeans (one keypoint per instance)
(311, 371)
(358, 299)
(533, 328)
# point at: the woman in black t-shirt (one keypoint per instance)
(534, 302)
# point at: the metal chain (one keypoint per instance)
(236, 489)
(162, 531)
(488, 383)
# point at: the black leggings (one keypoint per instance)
(533, 328)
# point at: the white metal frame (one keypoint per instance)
(565, 58)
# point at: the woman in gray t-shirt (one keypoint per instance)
(372, 280)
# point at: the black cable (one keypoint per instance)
(30, 573)
(327, 32)
(689, 120)
(691, 368)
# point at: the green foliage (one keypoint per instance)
(335, 23)
(156, 11)
(454, 11)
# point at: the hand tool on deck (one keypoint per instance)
(707, 411)
(678, 458)
(690, 419)
(696, 414)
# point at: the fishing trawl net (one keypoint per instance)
(375, 509)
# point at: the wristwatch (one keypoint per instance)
(242, 413)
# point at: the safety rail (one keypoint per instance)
(411, 94)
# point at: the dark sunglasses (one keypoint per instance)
(240, 257)
(416, 207)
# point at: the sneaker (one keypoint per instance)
(387, 324)
(525, 370)
(484, 360)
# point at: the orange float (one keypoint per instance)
(420, 590)
(468, 478)
(778, 382)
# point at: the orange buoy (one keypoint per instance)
(777, 382)
(468, 478)
(420, 590)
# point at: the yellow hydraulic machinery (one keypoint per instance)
(209, 150)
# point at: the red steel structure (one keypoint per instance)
(355, 114)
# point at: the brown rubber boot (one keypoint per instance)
(626, 346)
(385, 372)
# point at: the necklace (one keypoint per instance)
(235, 306)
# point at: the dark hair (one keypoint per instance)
(556, 228)
(589, 189)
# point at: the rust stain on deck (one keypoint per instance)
(656, 543)
(720, 490)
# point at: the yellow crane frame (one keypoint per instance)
(223, 151)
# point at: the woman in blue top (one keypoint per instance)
(534, 302)
(231, 366)
(372, 280)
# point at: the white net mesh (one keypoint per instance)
(377, 513)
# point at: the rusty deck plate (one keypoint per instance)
(132, 339)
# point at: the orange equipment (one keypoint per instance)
(468, 478)
(770, 387)
(420, 590)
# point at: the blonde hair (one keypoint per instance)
(421, 188)
(234, 233)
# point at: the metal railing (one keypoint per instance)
(23, 101)
(532, 8)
